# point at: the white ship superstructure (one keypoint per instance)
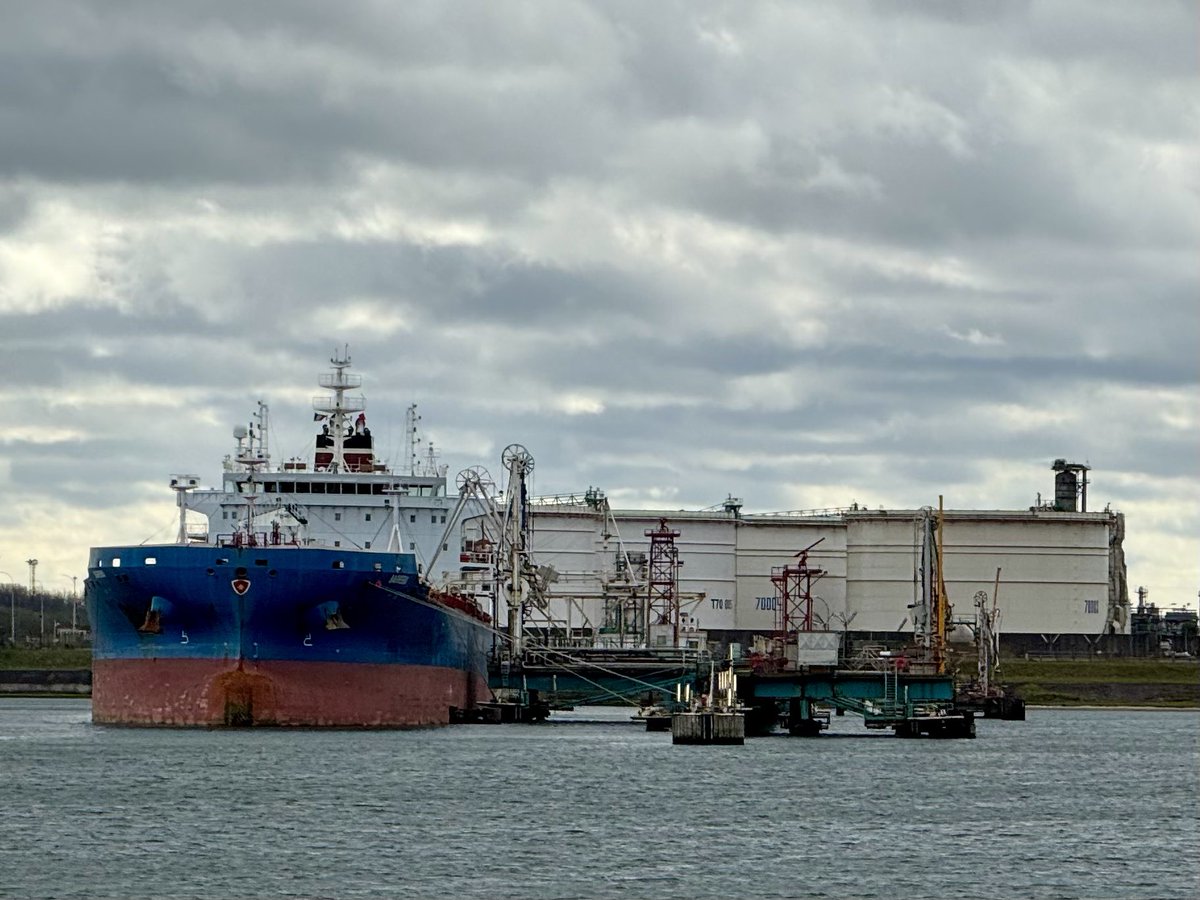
(345, 497)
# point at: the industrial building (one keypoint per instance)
(1056, 571)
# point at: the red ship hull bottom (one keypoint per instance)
(217, 692)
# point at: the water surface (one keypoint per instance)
(1072, 803)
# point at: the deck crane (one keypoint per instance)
(517, 581)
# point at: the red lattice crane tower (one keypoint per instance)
(662, 587)
(793, 593)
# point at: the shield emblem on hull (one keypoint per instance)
(240, 585)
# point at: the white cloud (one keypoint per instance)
(975, 337)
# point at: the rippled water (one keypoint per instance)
(1068, 804)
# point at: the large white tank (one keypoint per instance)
(1061, 572)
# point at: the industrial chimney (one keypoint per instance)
(1070, 486)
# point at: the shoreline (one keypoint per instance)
(70, 695)
(1115, 707)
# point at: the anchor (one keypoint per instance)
(152, 624)
(332, 613)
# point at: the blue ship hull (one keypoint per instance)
(204, 635)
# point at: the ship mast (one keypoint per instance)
(263, 418)
(181, 484)
(338, 407)
(412, 437)
(251, 456)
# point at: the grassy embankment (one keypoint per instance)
(1168, 683)
(52, 672)
(49, 658)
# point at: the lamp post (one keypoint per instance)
(33, 587)
(12, 608)
(74, 598)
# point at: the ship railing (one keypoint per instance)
(350, 404)
(479, 559)
(344, 381)
(256, 539)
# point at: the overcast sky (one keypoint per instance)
(804, 254)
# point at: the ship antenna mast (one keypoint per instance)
(263, 418)
(412, 437)
(338, 407)
(250, 458)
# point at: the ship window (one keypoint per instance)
(116, 562)
(287, 487)
(368, 546)
(412, 545)
(224, 514)
(445, 546)
(337, 544)
(260, 562)
(377, 489)
(337, 517)
(368, 517)
(269, 487)
(99, 563)
(338, 564)
(302, 487)
(364, 489)
(318, 487)
(151, 561)
(443, 520)
(413, 517)
(433, 520)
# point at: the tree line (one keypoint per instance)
(41, 618)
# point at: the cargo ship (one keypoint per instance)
(301, 599)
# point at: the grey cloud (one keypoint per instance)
(128, 104)
(975, 206)
(14, 207)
